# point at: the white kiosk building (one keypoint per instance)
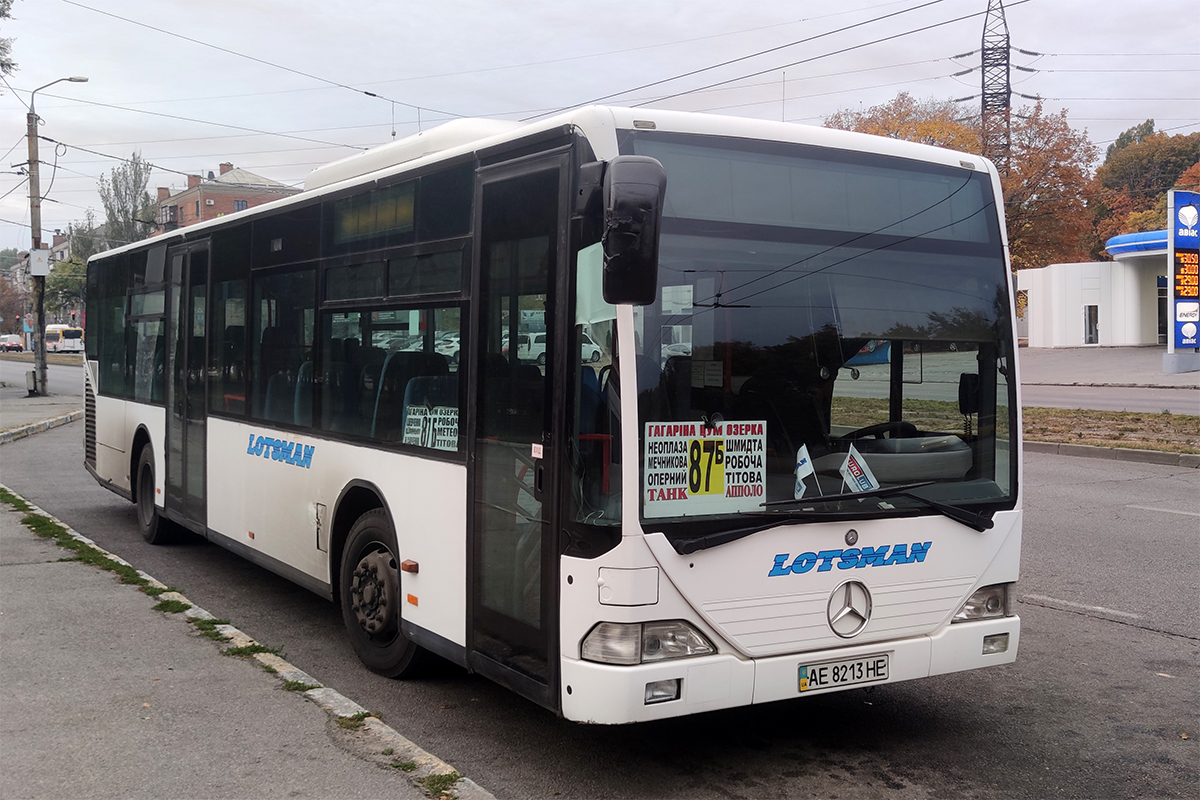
(1118, 303)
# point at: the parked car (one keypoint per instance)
(589, 350)
(448, 346)
(532, 347)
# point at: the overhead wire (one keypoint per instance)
(201, 121)
(255, 59)
(833, 53)
(739, 59)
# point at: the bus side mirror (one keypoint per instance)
(634, 189)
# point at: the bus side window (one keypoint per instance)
(227, 387)
(284, 309)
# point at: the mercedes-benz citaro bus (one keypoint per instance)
(729, 505)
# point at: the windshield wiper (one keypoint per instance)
(971, 519)
(784, 515)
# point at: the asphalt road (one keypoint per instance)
(1097, 704)
(60, 378)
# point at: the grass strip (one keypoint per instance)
(81, 551)
(208, 627)
(248, 650)
(299, 686)
(354, 722)
(440, 786)
(172, 606)
(1134, 430)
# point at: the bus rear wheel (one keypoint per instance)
(154, 528)
(370, 594)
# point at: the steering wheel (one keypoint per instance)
(899, 429)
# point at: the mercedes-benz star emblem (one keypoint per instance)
(849, 609)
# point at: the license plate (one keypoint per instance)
(837, 674)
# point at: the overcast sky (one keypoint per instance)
(188, 106)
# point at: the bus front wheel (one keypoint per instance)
(154, 528)
(370, 593)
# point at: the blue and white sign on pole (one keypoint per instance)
(1183, 252)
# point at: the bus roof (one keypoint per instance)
(598, 123)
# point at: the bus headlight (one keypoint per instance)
(644, 642)
(987, 603)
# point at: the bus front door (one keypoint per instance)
(520, 219)
(185, 446)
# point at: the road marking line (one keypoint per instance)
(1101, 609)
(1166, 510)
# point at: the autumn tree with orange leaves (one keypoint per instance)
(1049, 169)
(1045, 191)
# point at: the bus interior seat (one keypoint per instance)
(233, 351)
(280, 398)
(591, 400)
(677, 383)
(157, 381)
(370, 364)
(302, 406)
(515, 402)
(429, 391)
(387, 418)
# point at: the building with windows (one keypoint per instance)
(235, 189)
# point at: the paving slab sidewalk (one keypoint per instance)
(103, 696)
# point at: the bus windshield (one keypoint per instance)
(829, 324)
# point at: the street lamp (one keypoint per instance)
(35, 222)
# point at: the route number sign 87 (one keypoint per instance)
(706, 466)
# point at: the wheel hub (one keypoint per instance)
(374, 591)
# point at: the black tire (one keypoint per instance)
(371, 597)
(541, 359)
(154, 528)
(595, 356)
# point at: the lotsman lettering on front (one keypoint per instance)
(852, 558)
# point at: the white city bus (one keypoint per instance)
(726, 505)
(64, 339)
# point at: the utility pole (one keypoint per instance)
(996, 107)
(35, 223)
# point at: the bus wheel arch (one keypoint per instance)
(357, 498)
(141, 438)
(154, 527)
(370, 594)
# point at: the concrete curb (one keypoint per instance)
(13, 434)
(1188, 460)
(336, 705)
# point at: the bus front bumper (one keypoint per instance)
(609, 695)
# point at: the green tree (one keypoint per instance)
(7, 65)
(1134, 135)
(66, 285)
(8, 257)
(85, 238)
(128, 207)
